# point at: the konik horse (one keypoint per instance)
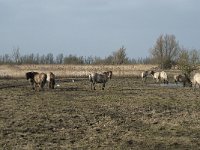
(37, 80)
(99, 78)
(51, 80)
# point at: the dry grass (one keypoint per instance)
(72, 70)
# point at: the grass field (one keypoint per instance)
(18, 71)
(126, 115)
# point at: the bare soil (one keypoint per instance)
(128, 114)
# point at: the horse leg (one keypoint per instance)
(52, 84)
(32, 84)
(35, 86)
(40, 86)
(49, 84)
(91, 85)
(94, 86)
(103, 86)
(146, 78)
(184, 83)
(194, 86)
(165, 81)
(176, 82)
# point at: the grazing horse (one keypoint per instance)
(144, 75)
(164, 77)
(158, 76)
(98, 78)
(155, 75)
(40, 80)
(182, 78)
(30, 77)
(51, 80)
(196, 80)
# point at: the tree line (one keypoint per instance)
(166, 52)
(116, 58)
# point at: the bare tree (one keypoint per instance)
(49, 58)
(195, 56)
(119, 56)
(188, 60)
(16, 55)
(59, 58)
(165, 51)
(6, 59)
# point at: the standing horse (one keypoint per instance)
(196, 80)
(144, 75)
(40, 80)
(182, 78)
(155, 75)
(99, 78)
(164, 77)
(51, 80)
(158, 76)
(30, 77)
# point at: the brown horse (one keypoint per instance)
(51, 80)
(182, 78)
(40, 80)
(30, 77)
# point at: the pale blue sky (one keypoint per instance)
(96, 27)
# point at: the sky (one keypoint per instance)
(96, 27)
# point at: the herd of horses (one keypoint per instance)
(158, 76)
(178, 78)
(38, 80)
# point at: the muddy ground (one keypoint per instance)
(128, 114)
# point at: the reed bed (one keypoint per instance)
(18, 71)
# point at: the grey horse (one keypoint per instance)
(99, 78)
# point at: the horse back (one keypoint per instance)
(39, 78)
(101, 78)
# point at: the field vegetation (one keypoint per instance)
(18, 71)
(128, 114)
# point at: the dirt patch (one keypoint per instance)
(126, 115)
